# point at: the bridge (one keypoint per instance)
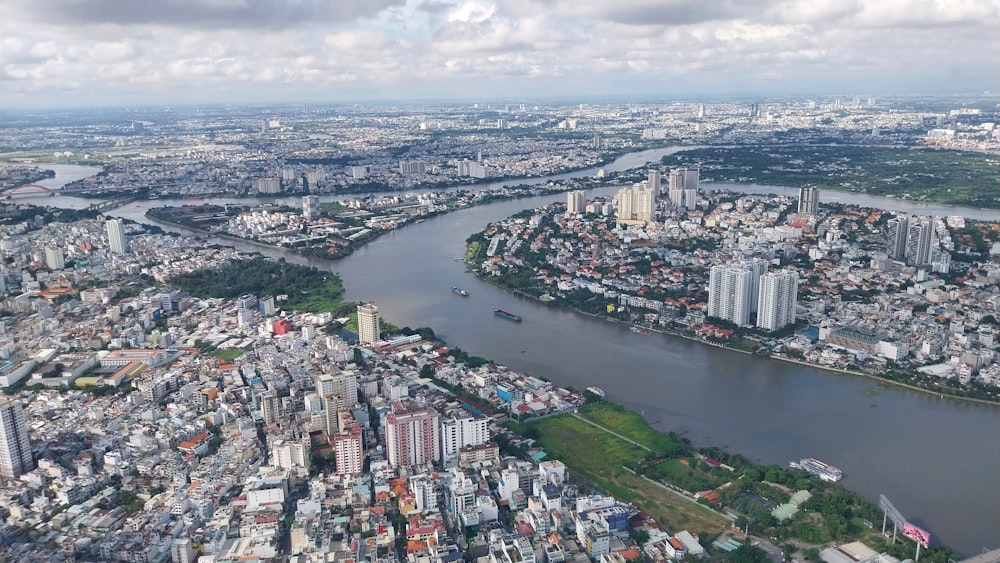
(29, 190)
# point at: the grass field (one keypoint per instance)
(227, 355)
(628, 424)
(599, 456)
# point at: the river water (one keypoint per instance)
(936, 458)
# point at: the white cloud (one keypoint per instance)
(314, 49)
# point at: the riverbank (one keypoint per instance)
(670, 333)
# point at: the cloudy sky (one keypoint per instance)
(68, 53)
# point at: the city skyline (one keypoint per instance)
(98, 53)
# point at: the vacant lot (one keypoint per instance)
(599, 456)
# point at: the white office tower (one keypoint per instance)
(899, 229)
(778, 297)
(310, 207)
(461, 431)
(54, 258)
(920, 241)
(635, 206)
(730, 293)
(368, 324)
(15, 451)
(653, 182)
(116, 236)
(576, 202)
(411, 435)
(808, 200)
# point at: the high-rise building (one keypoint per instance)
(348, 451)
(920, 241)
(15, 450)
(777, 301)
(576, 202)
(731, 293)
(368, 324)
(270, 407)
(461, 431)
(412, 167)
(338, 392)
(635, 205)
(899, 230)
(653, 182)
(267, 185)
(116, 236)
(291, 454)
(411, 435)
(808, 200)
(54, 258)
(310, 207)
(682, 187)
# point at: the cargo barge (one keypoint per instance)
(459, 291)
(505, 315)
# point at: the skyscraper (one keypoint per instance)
(15, 451)
(682, 187)
(899, 229)
(368, 324)
(635, 205)
(778, 297)
(731, 293)
(653, 182)
(411, 435)
(270, 406)
(576, 202)
(348, 451)
(54, 258)
(338, 393)
(116, 236)
(310, 207)
(808, 200)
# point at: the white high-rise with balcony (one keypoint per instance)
(730, 293)
(116, 236)
(777, 301)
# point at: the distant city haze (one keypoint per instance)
(74, 53)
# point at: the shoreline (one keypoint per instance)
(871, 376)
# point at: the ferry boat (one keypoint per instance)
(825, 472)
(505, 315)
(459, 291)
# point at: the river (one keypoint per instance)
(936, 458)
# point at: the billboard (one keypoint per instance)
(918, 535)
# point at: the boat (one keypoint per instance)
(639, 330)
(459, 291)
(505, 315)
(597, 391)
(825, 472)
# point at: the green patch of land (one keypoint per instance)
(227, 355)
(919, 174)
(308, 289)
(575, 442)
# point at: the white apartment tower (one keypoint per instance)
(899, 228)
(635, 206)
(462, 431)
(15, 451)
(682, 187)
(310, 207)
(368, 324)
(116, 235)
(731, 293)
(777, 301)
(411, 435)
(920, 241)
(808, 200)
(338, 393)
(576, 202)
(348, 451)
(54, 258)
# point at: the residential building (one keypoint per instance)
(310, 207)
(635, 205)
(576, 202)
(777, 301)
(54, 258)
(808, 200)
(731, 292)
(348, 451)
(368, 324)
(460, 431)
(15, 450)
(411, 435)
(116, 236)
